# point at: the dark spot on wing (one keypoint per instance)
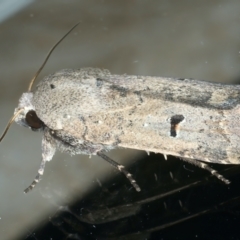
(99, 82)
(122, 91)
(138, 93)
(52, 86)
(174, 121)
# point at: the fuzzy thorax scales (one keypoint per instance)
(59, 107)
(56, 137)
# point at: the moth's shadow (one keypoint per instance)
(177, 201)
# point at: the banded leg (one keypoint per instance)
(48, 150)
(38, 177)
(122, 169)
(208, 168)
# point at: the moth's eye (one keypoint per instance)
(32, 120)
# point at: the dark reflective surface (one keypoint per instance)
(177, 201)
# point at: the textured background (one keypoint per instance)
(195, 39)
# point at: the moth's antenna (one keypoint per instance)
(32, 81)
(10, 122)
(49, 54)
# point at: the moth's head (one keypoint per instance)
(27, 116)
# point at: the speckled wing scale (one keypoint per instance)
(90, 111)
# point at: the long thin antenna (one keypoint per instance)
(49, 54)
(32, 81)
(10, 122)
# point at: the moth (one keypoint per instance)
(90, 111)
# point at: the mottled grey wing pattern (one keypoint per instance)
(185, 118)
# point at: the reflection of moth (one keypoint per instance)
(90, 111)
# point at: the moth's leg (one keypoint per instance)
(121, 168)
(206, 166)
(37, 178)
(48, 150)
